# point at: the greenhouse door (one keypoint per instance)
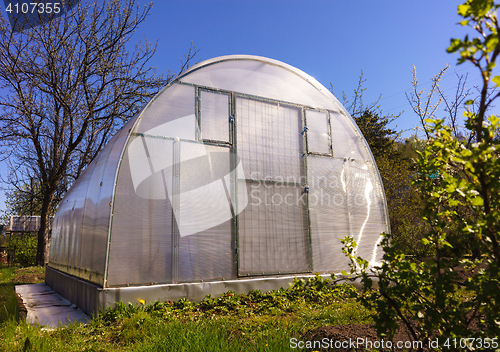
(272, 235)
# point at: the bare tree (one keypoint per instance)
(357, 107)
(426, 106)
(452, 107)
(70, 83)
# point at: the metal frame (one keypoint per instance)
(199, 118)
(329, 131)
(233, 144)
(251, 96)
(305, 187)
(234, 160)
(305, 141)
(232, 96)
(176, 157)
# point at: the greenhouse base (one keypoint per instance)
(92, 299)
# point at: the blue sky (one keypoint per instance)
(331, 40)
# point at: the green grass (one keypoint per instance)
(254, 322)
(8, 300)
(9, 277)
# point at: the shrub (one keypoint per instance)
(450, 296)
(23, 249)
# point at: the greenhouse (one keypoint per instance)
(241, 174)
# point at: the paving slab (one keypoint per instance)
(46, 307)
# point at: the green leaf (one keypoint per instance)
(477, 201)
(491, 42)
(463, 9)
(344, 273)
(464, 22)
(479, 8)
(455, 44)
(496, 80)
(494, 119)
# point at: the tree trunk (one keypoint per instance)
(45, 231)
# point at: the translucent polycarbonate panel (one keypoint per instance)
(91, 214)
(346, 140)
(141, 233)
(205, 198)
(269, 140)
(207, 255)
(96, 220)
(206, 249)
(75, 233)
(272, 230)
(366, 205)
(81, 225)
(214, 116)
(67, 231)
(272, 237)
(66, 225)
(58, 251)
(318, 134)
(328, 212)
(149, 158)
(261, 79)
(171, 114)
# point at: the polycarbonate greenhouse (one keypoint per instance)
(241, 174)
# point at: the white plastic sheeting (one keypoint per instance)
(243, 166)
(46, 308)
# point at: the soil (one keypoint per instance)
(355, 338)
(347, 335)
(29, 276)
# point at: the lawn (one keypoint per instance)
(254, 322)
(9, 277)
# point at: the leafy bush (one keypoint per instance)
(409, 238)
(450, 296)
(23, 249)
